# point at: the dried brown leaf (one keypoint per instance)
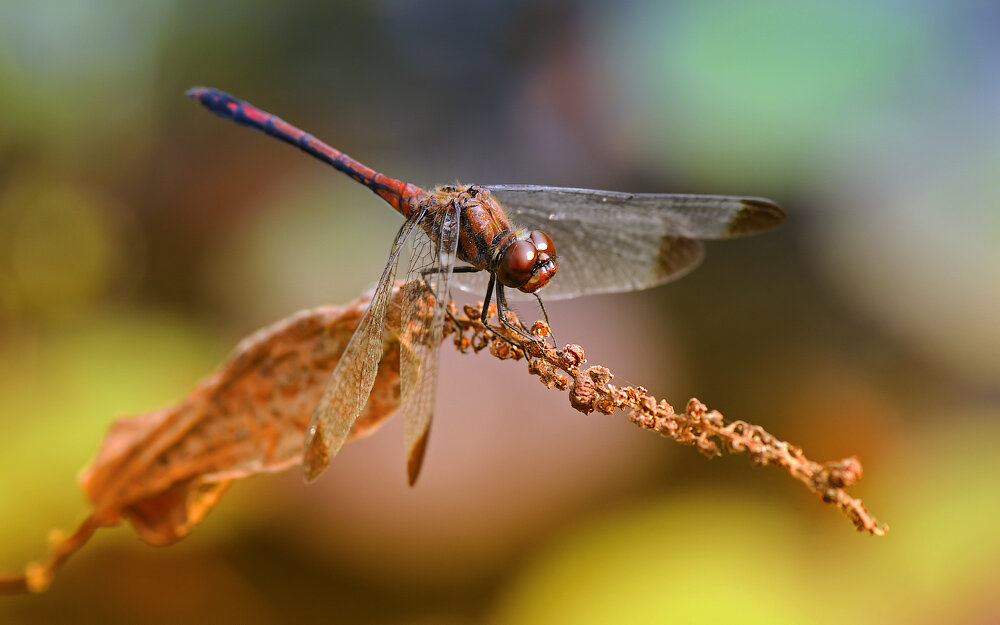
(165, 470)
(249, 417)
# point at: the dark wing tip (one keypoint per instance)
(316, 454)
(416, 458)
(755, 215)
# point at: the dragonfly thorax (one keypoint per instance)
(487, 240)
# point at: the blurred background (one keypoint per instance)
(141, 238)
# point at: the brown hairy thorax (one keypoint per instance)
(488, 241)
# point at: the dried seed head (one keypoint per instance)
(582, 393)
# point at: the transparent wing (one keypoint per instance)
(425, 304)
(608, 241)
(351, 382)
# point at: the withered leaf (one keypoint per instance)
(163, 471)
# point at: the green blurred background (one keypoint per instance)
(140, 238)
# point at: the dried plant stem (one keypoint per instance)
(165, 470)
(591, 390)
(38, 575)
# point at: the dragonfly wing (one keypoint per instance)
(424, 309)
(608, 241)
(351, 382)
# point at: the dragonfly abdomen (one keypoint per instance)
(396, 192)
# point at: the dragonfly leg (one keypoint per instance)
(486, 300)
(546, 316)
(502, 308)
(484, 316)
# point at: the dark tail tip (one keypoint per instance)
(219, 102)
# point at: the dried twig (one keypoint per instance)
(590, 389)
(164, 471)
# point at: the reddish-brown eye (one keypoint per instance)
(542, 242)
(517, 263)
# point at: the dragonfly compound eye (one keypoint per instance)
(545, 262)
(543, 243)
(517, 263)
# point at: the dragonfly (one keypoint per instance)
(608, 241)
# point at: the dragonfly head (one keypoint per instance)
(528, 264)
